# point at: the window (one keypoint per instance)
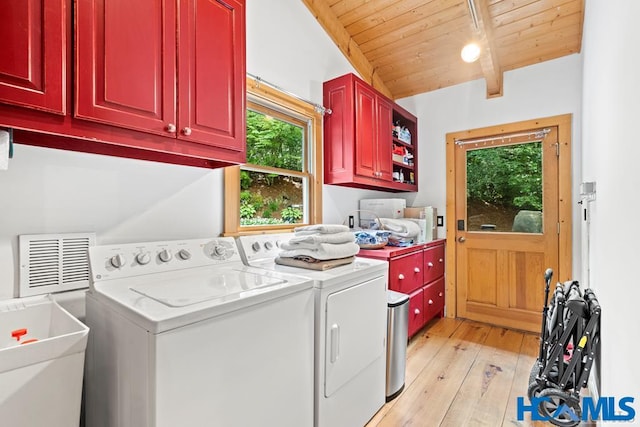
(280, 186)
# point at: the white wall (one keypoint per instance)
(611, 152)
(546, 89)
(122, 200)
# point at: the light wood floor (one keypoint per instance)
(462, 373)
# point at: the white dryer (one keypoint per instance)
(350, 332)
(183, 334)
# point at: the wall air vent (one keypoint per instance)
(54, 262)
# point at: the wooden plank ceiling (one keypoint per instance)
(407, 47)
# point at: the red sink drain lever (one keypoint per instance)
(19, 333)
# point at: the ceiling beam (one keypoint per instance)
(488, 58)
(350, 49)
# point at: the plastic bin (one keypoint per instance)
(41, 364)
(397, 331)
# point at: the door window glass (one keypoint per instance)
(504, 188)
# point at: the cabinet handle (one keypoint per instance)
(186, 131)
(400, 276)
(417, 270)
(429, 264)
(440, 294)
(441, 260)
(416, 311)
(171, 128)
(430, 301)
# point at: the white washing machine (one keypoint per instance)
(183, 334)
(350, 332)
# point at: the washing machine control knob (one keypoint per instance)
(165, 255)
(268, 245)
(118, 261)
(255, 246)
(184, 254)
(219, 251)
(143, 258)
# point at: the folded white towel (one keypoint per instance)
(325, 251)
(401, 227)
(313, 241)
(320, 229)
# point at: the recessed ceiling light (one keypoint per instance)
(470, 53)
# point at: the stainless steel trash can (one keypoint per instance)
(397, 330)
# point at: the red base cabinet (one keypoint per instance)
(359, 143)
(160, 80)
(417, 271)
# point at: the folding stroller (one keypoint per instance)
(569, 341)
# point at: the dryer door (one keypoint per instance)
(356, 331)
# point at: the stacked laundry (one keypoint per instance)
(319, 247)
(403, 232)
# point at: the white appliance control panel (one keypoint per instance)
(135, 259)
(262, 246)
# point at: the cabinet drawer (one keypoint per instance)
(433, 263)
(416, 311)
(405, 273)
(433, 299)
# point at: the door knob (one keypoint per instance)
(461, 239)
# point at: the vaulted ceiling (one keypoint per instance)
(407, 47)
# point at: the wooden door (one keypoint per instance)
(33, 58)
(126, 63)
(212, 73)
(507, 226)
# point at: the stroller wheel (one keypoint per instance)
(561, 408)
(535, 371)
(533, 390)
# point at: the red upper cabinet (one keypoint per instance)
(373, 128)
(211, 72)
(358, 141)
(33, 57)
(169, 68)
(126, 63)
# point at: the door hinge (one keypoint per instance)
(558, 228)
(557, 149)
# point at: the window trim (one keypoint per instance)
(270, 95)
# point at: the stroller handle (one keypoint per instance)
(547, 275)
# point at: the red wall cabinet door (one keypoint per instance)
(33, 57)
(366, 135)
(211, 72)
(126, 63)
(373, 130)
(339, 132)
(383, 141)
